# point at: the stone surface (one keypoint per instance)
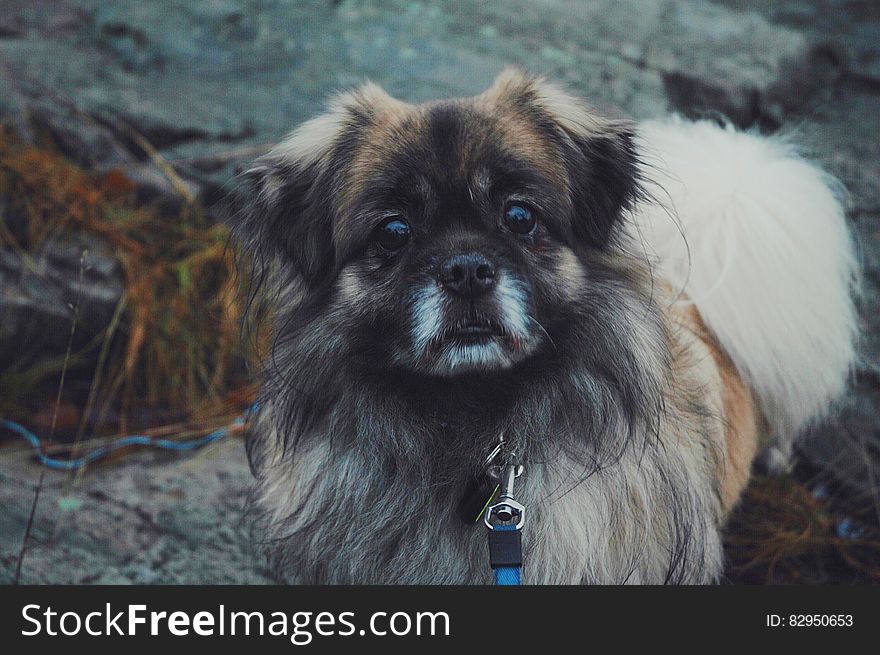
(192, 77)
(41, 292)
(210, 83)
(151, 518)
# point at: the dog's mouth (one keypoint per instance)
(470, 331)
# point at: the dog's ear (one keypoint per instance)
(283, 204)
(286, 205)
(282, 213)
(604, 178)
(599, 154)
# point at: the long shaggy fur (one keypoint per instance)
(755, 237)
(620, 378)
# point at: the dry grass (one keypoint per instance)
(784, 533)
(176, 346)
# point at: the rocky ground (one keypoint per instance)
(177, 94)
(150, 519)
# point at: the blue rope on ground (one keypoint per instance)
(104, 451)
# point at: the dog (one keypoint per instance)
(635, 312)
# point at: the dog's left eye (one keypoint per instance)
(392, 233)
(519, 219)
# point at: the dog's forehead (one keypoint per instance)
(441, 144)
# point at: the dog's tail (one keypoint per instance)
(755, 236)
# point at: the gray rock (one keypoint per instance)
(11, 27)
(199, 78)
(40, 293)
(853, 26)
(107, 528)
(94, 142)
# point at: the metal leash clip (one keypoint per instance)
(505, 519)
(507, 511)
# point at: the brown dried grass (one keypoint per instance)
(178, 344)
(782, 533)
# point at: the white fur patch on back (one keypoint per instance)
(755, 236)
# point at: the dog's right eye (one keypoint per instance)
(392, 233)
(519, 219)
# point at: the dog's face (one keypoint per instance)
(448, 237)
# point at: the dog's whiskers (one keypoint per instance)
(544, 330)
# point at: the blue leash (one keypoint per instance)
(508, 575)
(104, 451)
(505, 519)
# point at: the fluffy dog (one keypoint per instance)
(639, 311)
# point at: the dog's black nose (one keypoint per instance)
(467, 274)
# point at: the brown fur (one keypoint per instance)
(739, 414)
